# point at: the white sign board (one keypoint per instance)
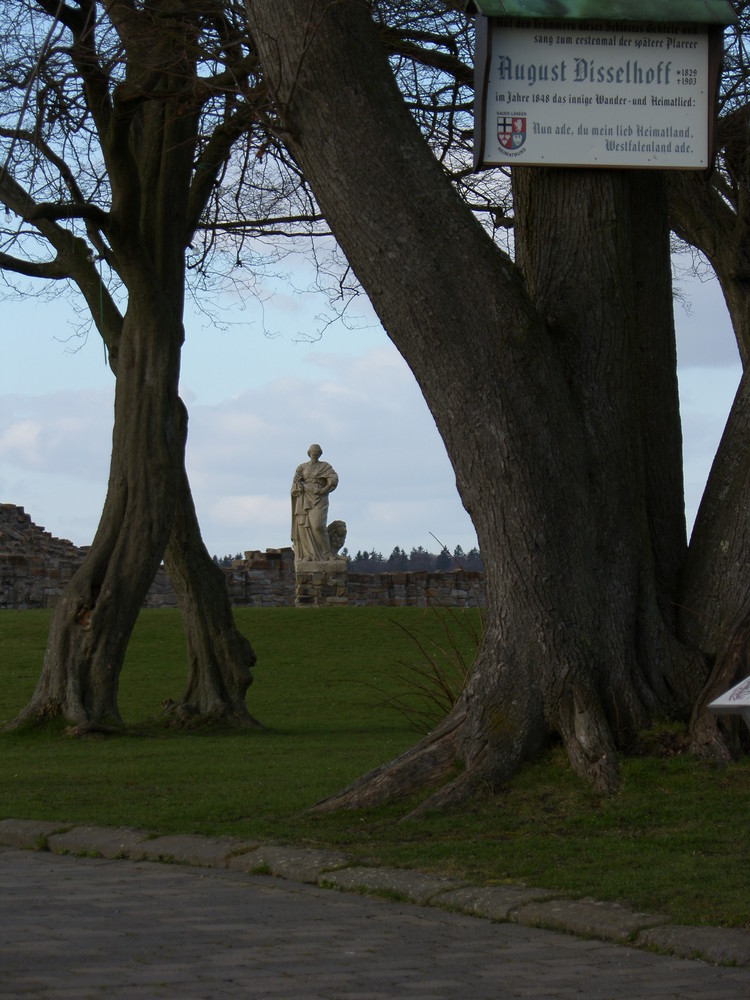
(559, 94)
(736, 701)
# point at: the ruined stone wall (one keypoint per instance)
(35, 567)
(268, 578)
(262, 579)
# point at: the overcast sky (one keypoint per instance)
(259, 393)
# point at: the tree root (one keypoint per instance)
(712, 738)
(423, 766)
(708, 741)
(91, 728)
(588, 739)
(490, 755)
(186, 715)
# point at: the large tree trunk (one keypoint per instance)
(93, 621)
(581, 239)
(533, 382)
(148, 502)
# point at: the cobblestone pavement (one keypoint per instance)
(81, 927)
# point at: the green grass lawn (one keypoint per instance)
(328, 684)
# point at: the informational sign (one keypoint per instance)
(619, 95)
(736, 701)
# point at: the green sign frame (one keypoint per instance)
(718, 12)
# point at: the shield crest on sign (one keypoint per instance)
(511, 131)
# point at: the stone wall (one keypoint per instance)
(262, 579)
(449, 589)
(35, 566)
(267, 578)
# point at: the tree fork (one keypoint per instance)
(136, 102)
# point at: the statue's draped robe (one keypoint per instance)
(312, 483)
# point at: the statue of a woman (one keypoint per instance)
(312, 483)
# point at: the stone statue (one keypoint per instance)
(312, 483)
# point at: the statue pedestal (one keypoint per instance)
(320, 584)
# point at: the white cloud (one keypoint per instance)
(19, 442)
(66, 431)
(268, 511)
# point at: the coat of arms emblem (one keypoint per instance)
(511, 131)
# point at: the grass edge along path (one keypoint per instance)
(328, 686)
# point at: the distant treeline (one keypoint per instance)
(226, 561)
(419, 560)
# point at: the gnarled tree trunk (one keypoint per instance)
(93, 621)
(148, 502)
(534, 377)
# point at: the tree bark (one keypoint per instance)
(594, 248)
(93, 621)
(531, 376)
(219, 656)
